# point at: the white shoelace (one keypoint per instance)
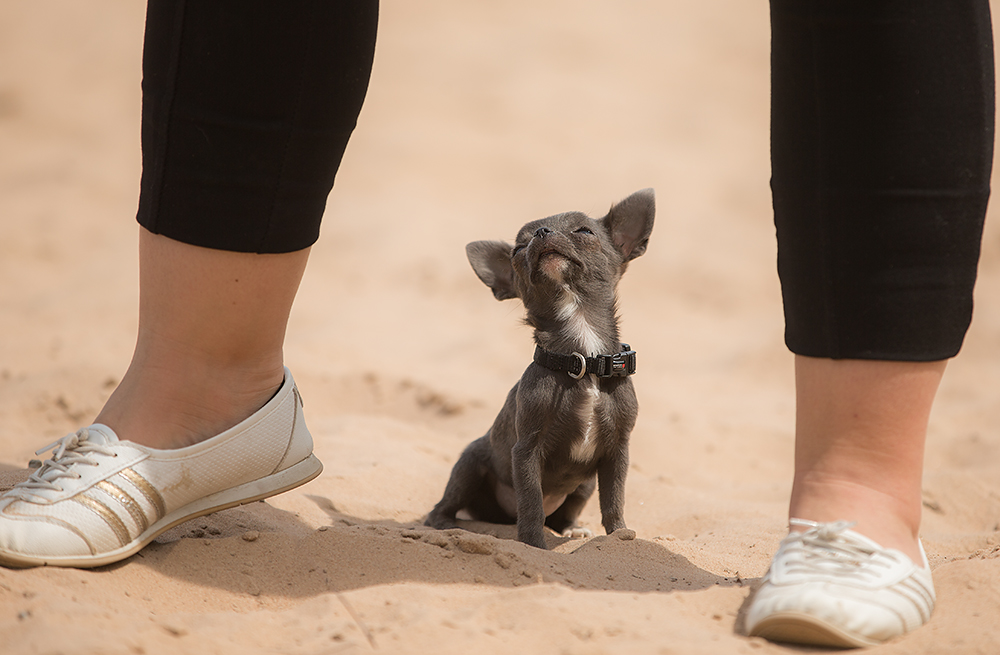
(824, 549)
(72, 450)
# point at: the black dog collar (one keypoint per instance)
(603, 366)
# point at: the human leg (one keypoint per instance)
(247, 108)
(882, 123)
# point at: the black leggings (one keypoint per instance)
(247, 109)
(882, 137)
(881, 149)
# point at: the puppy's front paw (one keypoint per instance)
(440, 521)
(576, 532)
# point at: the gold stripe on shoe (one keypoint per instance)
(147, 490)
(102, 510)
(133, 508)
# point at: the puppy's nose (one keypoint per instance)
(542, 231)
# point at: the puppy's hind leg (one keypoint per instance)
(564, 519)
(468, 477)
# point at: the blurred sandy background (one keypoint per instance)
(480, 116)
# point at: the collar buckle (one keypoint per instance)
(621, 364)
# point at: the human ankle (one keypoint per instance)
(173, 407)
(889, 521)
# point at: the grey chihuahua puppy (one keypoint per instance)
(565, 426)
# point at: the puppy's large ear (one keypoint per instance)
(491, 262)
(630, 223)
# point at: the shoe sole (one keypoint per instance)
(272, 485)
(800, 628)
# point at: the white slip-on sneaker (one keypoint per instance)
(99, 499)
(830, 586)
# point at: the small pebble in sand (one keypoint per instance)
(625, 534)
(252, 535)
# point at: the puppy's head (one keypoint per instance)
(568, 251)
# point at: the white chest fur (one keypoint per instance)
(583, 449)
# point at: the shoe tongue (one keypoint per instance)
(101, 435)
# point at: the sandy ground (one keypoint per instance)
(481, 116)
